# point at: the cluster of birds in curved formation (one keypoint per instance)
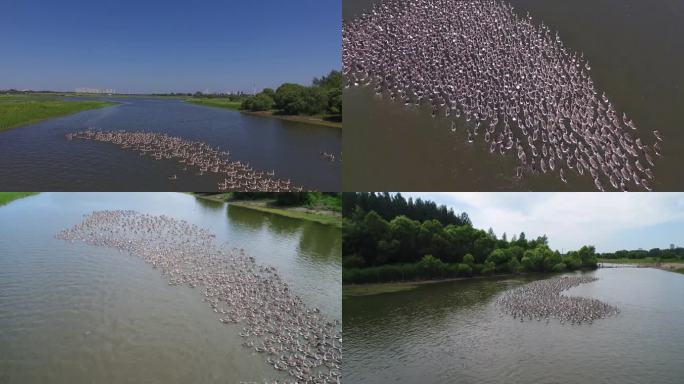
(543, 300)
(237, 176)
(509, 77)
(292, 337)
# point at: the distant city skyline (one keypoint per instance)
(174, 46)
(95, 90)
(608, 221)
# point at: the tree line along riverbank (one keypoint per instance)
(668, 259)
(321, 207)
(388, 238)
(18, 109)
(318, 104)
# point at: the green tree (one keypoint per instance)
(560, 267)
(488, 268)
(335, 101)
(588, 256)
(514, 265)
(388, 251)
(332, 81)
(258, 102)
(315, 101)
(405, 231)
(269, 92)
(291, 198)
(289, 98)
(500, 258)
(430, 266)
(572, 260)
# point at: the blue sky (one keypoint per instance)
(609, 221)
(162, 46)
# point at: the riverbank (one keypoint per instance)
(398, 286)
(20, 110)
(324, 121)
(671, 265)
(220, 103)
(8, 197)
(315, 214)
(319, 216)
(355, 290)
(368, 289)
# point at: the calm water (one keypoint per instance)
(38, 157)
(454, 333)
(73, 313)
(636, 53)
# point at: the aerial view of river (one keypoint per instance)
(72, 312)
(634, 59)
(40, 158)
(454, 332)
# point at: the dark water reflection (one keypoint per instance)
(73, 313)
(636, 54)
(38, 157)
(453, 332)
(316, 242)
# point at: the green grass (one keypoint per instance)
(329, 203)
(321, 208)
(7, 197)
(292, 212)
(18, 110)
(219, 197)
(221, 103)
(680, 270)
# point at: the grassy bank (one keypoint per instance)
(323, 217)
(18, 110)
(7, 197)
(320, 208)
(220, 103)
(218, 197)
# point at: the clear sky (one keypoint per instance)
(609, 221)
(162, 46)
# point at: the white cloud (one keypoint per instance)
(569, 219)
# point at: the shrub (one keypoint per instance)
(352, 261)
(560, 267)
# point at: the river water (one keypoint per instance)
(74, 313)
(454, 333)
(636, 54)
(39, 158)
